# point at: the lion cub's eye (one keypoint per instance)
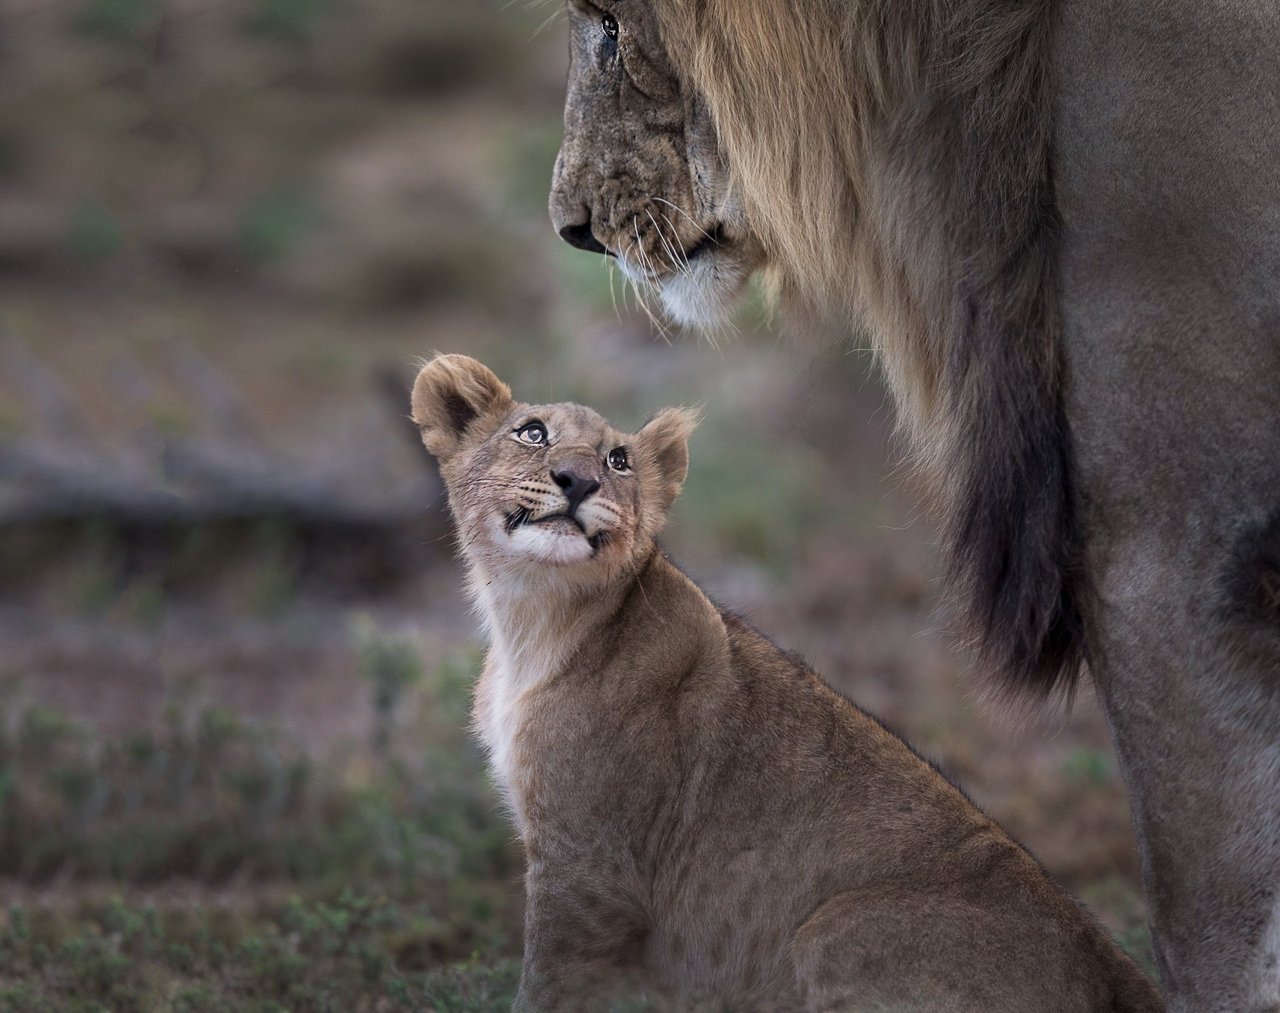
(532, 433)
(610, 25)
(618, 459)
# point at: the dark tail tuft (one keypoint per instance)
(1010, 530)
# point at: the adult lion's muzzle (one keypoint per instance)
(640, 174)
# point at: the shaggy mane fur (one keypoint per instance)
(900, 172)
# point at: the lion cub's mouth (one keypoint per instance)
(522, 516)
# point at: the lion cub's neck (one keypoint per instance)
(536, 621)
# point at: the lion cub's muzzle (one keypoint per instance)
(569, 496)
(576, 487)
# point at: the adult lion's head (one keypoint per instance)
(641, 175)
(707, 140)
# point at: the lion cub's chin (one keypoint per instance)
(556, 542)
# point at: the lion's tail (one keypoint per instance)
(1009, 533)
(1010, 527)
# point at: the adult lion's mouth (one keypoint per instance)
(710, 239)
(646, 267)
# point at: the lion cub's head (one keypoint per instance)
(550, 484)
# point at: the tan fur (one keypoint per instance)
(703, 816)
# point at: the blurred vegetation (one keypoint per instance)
(213, 796)
(391, 873)
(119, 19)
(274, 224)
(293, 20)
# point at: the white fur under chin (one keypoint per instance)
(555, 546)
(520, 586)
(703, 295)
(527, 644)
(699, 295)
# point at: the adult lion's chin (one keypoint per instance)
(701, 292)
(703, 295)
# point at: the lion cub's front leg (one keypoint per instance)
(582, 940)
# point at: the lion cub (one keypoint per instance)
(701, 812)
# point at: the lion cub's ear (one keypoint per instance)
(665, 441)
(452, 393)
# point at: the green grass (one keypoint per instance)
(340, 955)
(1122, 902)
(289, 20)
(390, 871)
(212, 796)
(94, 234)
(1087, 766)
(729, 501)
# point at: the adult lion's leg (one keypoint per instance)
(1195, 710)
(1176, 433)
(1177, 445)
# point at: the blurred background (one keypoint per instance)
(234, 664)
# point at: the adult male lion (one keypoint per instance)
(1061, 224)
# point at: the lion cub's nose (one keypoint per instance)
(576, 487)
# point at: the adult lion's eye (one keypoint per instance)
(618, 459)
(610, 25)
(532, 433)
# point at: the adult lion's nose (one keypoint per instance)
(581, 236)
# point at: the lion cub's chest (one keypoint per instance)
(506, 695)
(500, 708)
(564, 755)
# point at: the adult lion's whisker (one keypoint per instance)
(682, 211)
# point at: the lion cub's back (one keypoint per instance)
(820, 850)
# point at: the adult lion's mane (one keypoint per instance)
(898, 170)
